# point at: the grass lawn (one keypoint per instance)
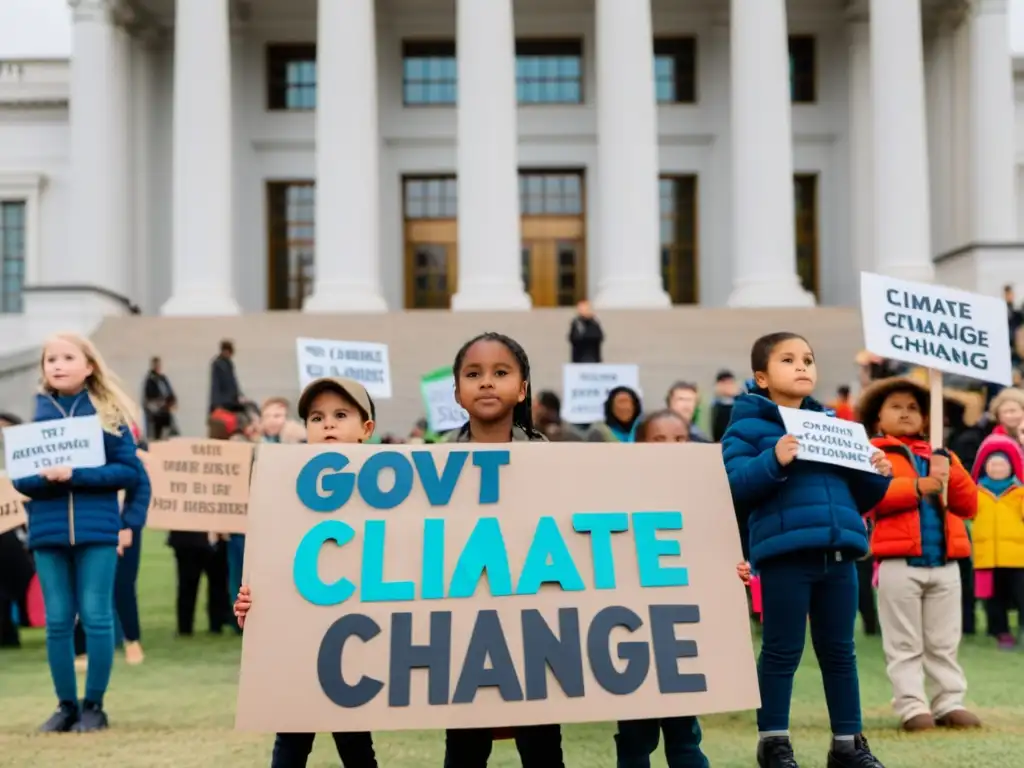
(177, 709)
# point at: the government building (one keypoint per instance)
(211, 157)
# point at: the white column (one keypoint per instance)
(627, 158)
(201, 243)
(490, 261)
(347, 161)
(993, 144)
(764, 217)
(97, 254)
(902, 214)
(122, 169)
(862, 240)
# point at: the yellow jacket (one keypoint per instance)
(999, 529)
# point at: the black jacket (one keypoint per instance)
(586, 336)
(224, 390)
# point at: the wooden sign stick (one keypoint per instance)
(936, 418)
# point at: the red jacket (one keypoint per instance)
(897, 517)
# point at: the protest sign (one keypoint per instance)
(76, 442)
(461, 586)
(829, 440)
(940, 328)
(364, 361)
(12, 508)
(585, 387)
(199, 485)
(438, 391)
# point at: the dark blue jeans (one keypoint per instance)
(821, 585)
(79, 581)
(126, 601)
(637, 739)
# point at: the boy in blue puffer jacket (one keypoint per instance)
(76, 526)
(806, 534)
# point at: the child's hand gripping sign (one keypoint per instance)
(815, 436)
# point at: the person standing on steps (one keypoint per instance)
(224, 390)
(158, 397)
(585, 335)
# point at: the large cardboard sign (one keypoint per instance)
(478, 586)
(365, 361)
(12, 506)
(438, 391)
(940, 328)
(76, 442)
(829, 440)
(199, 485)
(585, 387)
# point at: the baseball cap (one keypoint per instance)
(350, 389)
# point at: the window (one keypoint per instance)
(677, 197)
(549, 71)
(291, 77)
(429, 73)
(292, 243)
(434, 198)
(675, 70)
(551, 194)
(12, 255)
(802, 70)
(805, 187)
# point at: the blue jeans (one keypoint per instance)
(637, 739)
(126, 601)
(793, 587)
(79, 581)
(236, 553)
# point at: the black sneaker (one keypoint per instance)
(93, 718)
(776, 752)
(63, 720)
(852, 754)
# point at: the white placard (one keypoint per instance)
(365, 361)
(585, 387)
(443, 413)
(75, 443)
(936, 327)
(829, 440)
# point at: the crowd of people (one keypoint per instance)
(930, 532)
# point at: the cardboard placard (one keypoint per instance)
(829, 440)
(199, 485)
(938, 327)
(648, 618)
(76, 442)
(365, 361)
(585, 387)
(12, 506)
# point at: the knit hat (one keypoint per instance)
(873, 398)
(999, 444)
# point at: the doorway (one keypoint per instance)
(554, 260)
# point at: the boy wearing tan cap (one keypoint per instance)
(334, 411)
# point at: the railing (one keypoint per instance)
(968, 247)
(124, 301)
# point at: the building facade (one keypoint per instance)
(217, 156)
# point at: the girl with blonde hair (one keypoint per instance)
(76, 527)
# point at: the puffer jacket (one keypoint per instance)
(85, 510)
(805, 505)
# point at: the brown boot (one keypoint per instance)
(959, 718)
(918, 723)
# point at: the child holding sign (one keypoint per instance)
(806, 534)
(918, 537)
(76, 527)
(492, 384)
(637, 739)
(334, 411)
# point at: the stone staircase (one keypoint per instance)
(680, 343)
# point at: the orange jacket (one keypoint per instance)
(897, 531)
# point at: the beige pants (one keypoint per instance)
(920, 615)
